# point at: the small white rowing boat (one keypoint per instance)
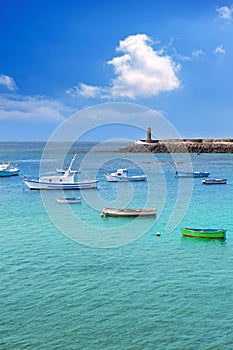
(69, 200)
(62, 171)
(73, 171)
(129, 212)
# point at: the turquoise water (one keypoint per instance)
(162, 292)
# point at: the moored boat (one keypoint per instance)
(192, 174)
(53, 183)
(203, 233)
(62, 171)
(8, 169)
(129, 212)
(122, 175)
(75, 171)
(68, 200)
(59, 182)
(214, 181)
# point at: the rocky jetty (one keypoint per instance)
(181, 146)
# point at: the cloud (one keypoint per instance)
(225, 12)
(198, 53)
(219, 50)
(139, 72)
(194, 54)
(36, 108)
(84, 90)
(8, 82)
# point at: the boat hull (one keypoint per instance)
(214, 182)
(203, 233)
(129, 212)
(111, 178)
(78, 185)
(69, 200)
(191, 174)
(9, 173)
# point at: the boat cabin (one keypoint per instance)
(121, 172)
(57, 179)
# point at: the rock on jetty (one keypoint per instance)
(181, 146)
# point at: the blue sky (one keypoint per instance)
(60, 56)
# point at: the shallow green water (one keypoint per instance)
(162, 292)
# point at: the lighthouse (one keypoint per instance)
(148, 139)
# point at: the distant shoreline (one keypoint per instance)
(181, 146)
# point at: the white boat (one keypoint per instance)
(59, 182)
(69, 200)
(8, 169)
(214, 181)
(122, 175)
(129, 212)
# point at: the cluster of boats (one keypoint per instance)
(201, 174)
(202, 233)
(66, 181)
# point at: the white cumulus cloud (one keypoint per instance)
(8, 82)
(225, 12)
(139, 72)
(219, 50)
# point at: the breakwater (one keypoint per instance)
(181, 146)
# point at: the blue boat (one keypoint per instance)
(191, 174)
(8, 169)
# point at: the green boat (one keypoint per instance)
(203, 233)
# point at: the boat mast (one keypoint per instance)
(70, 166)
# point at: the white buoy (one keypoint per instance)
(158, 234)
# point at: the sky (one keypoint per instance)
(59, 57)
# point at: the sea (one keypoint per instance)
(72, 279)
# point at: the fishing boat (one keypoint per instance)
(214, 181)
(59, 182)
(203, 233)
(8, 169)
(122, 175)
(69, 200)
(191, 174)
(129, 212)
